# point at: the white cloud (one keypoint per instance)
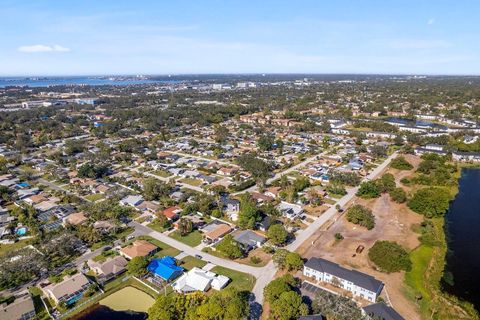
(431, 21)
(43, 48)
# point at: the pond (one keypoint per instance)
(128, 303)
(462, 227)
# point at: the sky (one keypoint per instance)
(87, 37)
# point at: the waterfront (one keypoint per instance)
(128, 303)
(462, 224)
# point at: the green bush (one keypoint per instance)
(431, 202)
(369, 190)
(389, 256)
(398, 195)
(401, 163)
(362, 216)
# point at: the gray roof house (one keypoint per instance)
(358, 283)
(290, 210)
(132, 201)
(20, 309)
(380, 311)
(249, 240)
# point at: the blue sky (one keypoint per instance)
(204, 36)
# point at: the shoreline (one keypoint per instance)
(424, 283)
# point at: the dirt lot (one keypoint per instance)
(392, 222)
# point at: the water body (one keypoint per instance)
(418, 123)
(68, 81)
(100, 312)
(462, 226)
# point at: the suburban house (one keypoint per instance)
(196, 221)
(265, 223)
(172, 213)
(109, 268)
(199, 280)
(69, 290)
(249, 240)
(381, 311)
(273, 192)
(290, 210)
(231, 207)
(20, 309)
(215, 230)
(139, 248)
(132, 201)
(359, 284)
(165, 268)
(224, 171)
(75, 219)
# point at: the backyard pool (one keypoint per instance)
(21, 231)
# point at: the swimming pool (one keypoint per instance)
(21, 231)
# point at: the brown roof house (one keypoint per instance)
(21, 309)
(216, 232)
(109, 268)
(68, 290)
(139, 248)
(75, 219)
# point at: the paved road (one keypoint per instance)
(192, 251)
(263, 274)
(202, 158)
(58, 188)
(181, 184)
(266, 275)
(281, 174)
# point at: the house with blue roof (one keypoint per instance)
(165, 268)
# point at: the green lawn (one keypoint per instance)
(94, 197)
(193, 182)
(156, 226)
(162, 173)
(165, 249)
(6, 248)
(189, 262)
(192, 239)
(415, 278)
(239, 280)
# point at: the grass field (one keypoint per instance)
(128, 298)
(165, 249)
(94, 197)
(162, 173)
(239, 280)
(415, 278)
(6, 248)
(189, 262)
(156, 226)
(192, 239)
(193, 182)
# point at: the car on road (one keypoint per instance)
(198, 256)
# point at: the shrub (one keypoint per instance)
(338, 236)
(362, 216)
(369, 190)
(401, 163)
(398, 195)
(431, 202)
(389, 256)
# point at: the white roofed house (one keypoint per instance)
(290, 210)
(132, 201)
(199, 280)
